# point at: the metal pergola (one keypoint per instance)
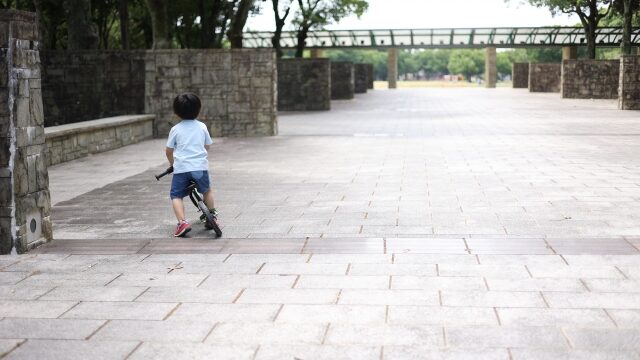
(443, 38)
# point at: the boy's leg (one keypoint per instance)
(178, 209)
(208, 199)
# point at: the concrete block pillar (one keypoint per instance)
(392, 68)
(25, 203)
(629, 85)
(317, 53)
(569, 53)
(490, 68)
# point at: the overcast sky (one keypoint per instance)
(417, 14)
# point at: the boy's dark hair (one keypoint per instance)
(187, 106)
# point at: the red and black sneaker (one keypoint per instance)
(182, 229)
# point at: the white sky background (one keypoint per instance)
(420, 14)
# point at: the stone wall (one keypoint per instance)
(544, 77)
(629, 83)
(74, 141)
(590, 79)
(304, 84)
(237, 88)
(361, 78)
(520, 75)
(342, 80)
(84, 85)
(371, 75)
(25, 203)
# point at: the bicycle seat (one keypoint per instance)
(192, 185)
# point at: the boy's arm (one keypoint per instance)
(207, 147)
(169, 152)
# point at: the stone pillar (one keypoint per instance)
(490, 68)
(361, 78)
(629, 86)
(569, 53)
(317, 53)
(25, 203)
(371, 73)
(304, 84)
(342, 80)
(520, 75)
(392, 68)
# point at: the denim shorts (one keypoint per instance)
(181, 181)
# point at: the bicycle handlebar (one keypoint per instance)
(166, 172)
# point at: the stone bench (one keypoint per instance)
(73, 141)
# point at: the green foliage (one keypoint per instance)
(461, 63)
(315, 14)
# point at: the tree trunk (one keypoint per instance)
(303, 32)
(124, 24)
(275, 41)
(280, 21)
(238, 21)
(591, 41)
(81, 30)
(159, 23)
(627, 49)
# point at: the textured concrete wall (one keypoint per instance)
(490, 67)
(629, 83)
(85, 85)
(74, 141)
(342, 80)
(590, 79)
(371, 74)
(361, 77)
(544, 77)
(25, 204)
(237, 88)
(304, 84)
(520, 75)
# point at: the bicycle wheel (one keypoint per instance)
(210, 222)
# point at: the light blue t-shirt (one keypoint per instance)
(187, 139)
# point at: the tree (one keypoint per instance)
(82, 31)
(160, 23)
(238, 21)
(280, 21)
(315, 14)
(589, 12)
(123, 11)
(461, 63)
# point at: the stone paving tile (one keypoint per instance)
(7, 345)
(12, 277)
(555, 317)
(154, 331)
(192, 267)
(179, 258)
(350, 314)
(435, 315)
(288, 296)
(225, 312)
(69, 279)
(389, 297)
(118, 310)
(342, 282)
(438, 283)
(631, 271)
(338, 245)
(393, 269)
(538, 354)
(494, 271)
(248, 281)
(267, 333)
(350, 259)
(604, 339)
(259, 259)
(411, 352)
(613, 285)
(625, 318)
(154, 279)
(73, 349)
(189, 294)
(602, 260)
(584, 272)
(593, 300)
(23, 292)
(435, 259)
(574, 285)
(523, 299)
(385, 335)
(34, 309)
(94, 293)
(304, 269)
(172, 351)
(278, 352)
(533, 260)
(133, 268)
(11, 328)
(480, 337)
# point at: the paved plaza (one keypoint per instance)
(407, 224)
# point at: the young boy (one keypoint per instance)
(186, 151)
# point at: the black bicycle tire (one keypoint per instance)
(210, 221)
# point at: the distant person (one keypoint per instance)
(186, 151)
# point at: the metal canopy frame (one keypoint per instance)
(443, 38)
